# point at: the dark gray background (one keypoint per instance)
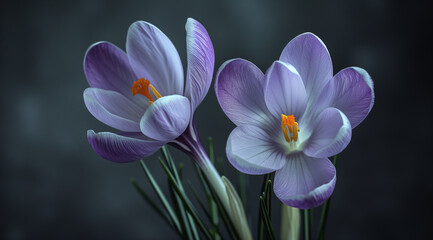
(53, 186)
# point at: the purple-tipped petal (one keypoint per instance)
(351, 91)
(331, 134)
(250, 150)
(166, 118)
(113, 109)
(153, 57)
(107, 67)
(124, 147)
(310, 57)
(239, 88)
(201, 61)
(305, 182)
(284, 92)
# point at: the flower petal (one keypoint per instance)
(284, 92)
(124, 147)
(250, 150)
(107, 67)
(310, 57)
(331, 134)
(239, 88)
(153, 57)
(305, 182)
(351, 91)
(166, 118)
(113, 109)
(201, 61)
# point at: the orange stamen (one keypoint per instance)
(141, 86)
(289, 127)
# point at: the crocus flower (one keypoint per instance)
(291, 119)
(141, 93)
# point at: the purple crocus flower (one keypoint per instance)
(141, 93)
(293, 117)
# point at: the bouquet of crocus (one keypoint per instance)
(289, 120)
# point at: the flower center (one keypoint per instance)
(289, 127)
(141, 86)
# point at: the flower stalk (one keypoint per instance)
(189, 143)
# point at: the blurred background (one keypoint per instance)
(53, 186)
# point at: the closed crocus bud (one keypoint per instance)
(290, 222)
(237, 213)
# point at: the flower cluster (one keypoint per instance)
(289, 120)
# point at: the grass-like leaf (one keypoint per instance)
(188, 205)
(151, 202)
(266, 220)
(261, 224)
(325, 208)
(162, 197)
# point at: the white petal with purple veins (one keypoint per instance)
(153, 57)
(309, 55)
(113, 109)
(305, 182)
(201, 61)
(250, 150)
(284, 92)
(166, 118)
(351, 91)
(239, 88)
(123, 147)
(330, 135)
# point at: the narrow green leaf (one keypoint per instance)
(161, 197)
(180, 212)
(266, 219)
(211, 152)
(187, 222)
(215, 230)
(243, 182)
(213, 208)
(186, 202)
(261, 224)
(307, 224)
(151, 202)
(325, 208)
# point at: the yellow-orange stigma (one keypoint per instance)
(289, 127)
(141, 86)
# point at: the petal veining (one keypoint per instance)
(166, 118)
(305, 182)
(153, 56)
(201, 61)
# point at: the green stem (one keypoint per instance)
(307, 224)
(325, 209)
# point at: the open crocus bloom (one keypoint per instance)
(293, 117)
(141, 92)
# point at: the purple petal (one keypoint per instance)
(250, 150)
(284, 91)
(351, 91)
(201, 61)
(107, 67)
(309, 55)
(331, 134)
(239, 88)
(305, 182)
(113, 109)
(153, 57)
(122, 148)
(166, 118)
